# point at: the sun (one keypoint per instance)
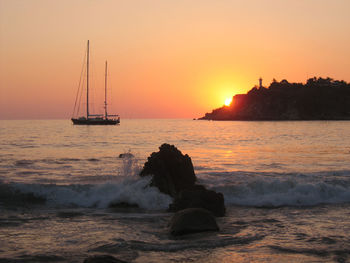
(228, 101)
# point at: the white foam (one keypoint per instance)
(239, 188)
(284, 192)
(128, 189)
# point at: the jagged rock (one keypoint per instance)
(199, 197)
(192, 220)
(103, 259)
(171, 170)
(173, 174)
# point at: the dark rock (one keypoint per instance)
(126, 155)
(68, 214)
(103, 259)
(173, 174)
(199, 197)
(93, 160)
(122, 205)
(171, 170)
(192, 220)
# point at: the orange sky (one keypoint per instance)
(167, 59)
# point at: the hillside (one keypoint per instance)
(317, 99)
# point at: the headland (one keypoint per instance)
(317, 99)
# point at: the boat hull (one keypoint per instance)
(95, 121)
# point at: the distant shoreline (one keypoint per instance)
(280, 120)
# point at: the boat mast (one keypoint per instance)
(87, 82)
(106, 90)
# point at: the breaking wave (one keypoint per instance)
(284, 189)
(127, 190)
(239, 188)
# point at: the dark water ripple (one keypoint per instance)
(341, 255)
(183, 244)
(33, 259)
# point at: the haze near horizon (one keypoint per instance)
(166, 59)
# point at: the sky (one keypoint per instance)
(167, 59)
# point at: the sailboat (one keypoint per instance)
(95, 119)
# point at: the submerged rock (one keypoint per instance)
(103, 259)
(69, 214)
(199, 197)
(126, 155)
(171, 170)
(122, 205)
(192, 220)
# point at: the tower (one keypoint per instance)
(260, 83)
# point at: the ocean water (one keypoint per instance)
(286, 187)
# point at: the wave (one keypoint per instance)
(239, 188)
(274, 190)
(125, 190)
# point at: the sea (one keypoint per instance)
(286, 186)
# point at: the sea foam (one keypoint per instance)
(130, 190)
(284, 190)
(244, 189)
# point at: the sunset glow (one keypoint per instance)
(167, 59)
(175, 130)
(228, 101)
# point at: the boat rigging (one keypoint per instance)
(94, 119)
